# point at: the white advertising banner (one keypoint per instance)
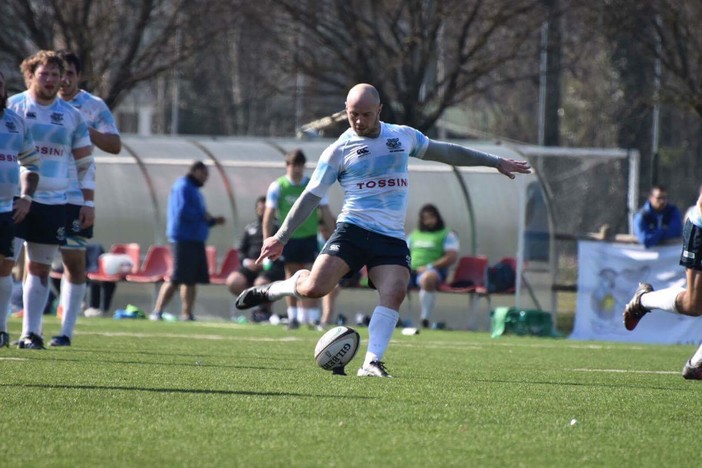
(608, 275)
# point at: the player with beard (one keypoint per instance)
(19, 168)
(104, 135)
(370, 161)
(62, 140)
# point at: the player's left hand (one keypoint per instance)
(86, 216)
(509, 166)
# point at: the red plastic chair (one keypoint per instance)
(230, 264)
(211, 252)
(157, 265)
(133, 250)
(470, 276)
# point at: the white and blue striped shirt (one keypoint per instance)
(374, 175)
(57, 130)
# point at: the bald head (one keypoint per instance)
(363, 93)
(363, 110)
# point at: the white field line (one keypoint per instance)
(13, 359)
(198, 336)
(624, 371)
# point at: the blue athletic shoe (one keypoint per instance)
(31, 341)
(61, 340)
(4, 340)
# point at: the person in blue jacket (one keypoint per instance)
(657, 221)
(187, 228)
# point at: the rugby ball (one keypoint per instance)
(336, 348)
(115, 264)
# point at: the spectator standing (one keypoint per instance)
(63, 143)
(17, 146)
(103, 134)
(657, 221)
(370, 161)
(187, 229)
(434, 248)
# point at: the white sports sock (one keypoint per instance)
(280, 289)
(34, 296)
(292, 314)
(696, 358)
(427, 300)
(380, 328)
(313, 314)
(662, 300)
(303, 315)
(5, 296)
(71, 300)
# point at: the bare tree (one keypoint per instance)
(423, 56)
(122, 42)
(669, 31)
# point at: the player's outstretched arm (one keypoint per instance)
(457, 155)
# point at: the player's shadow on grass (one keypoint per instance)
(184, 390)
(196, 361)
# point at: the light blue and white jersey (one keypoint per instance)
(57, 130)
(374, 175)
(98, 116)
(16, 150)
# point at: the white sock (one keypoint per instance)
(5, 296)
(662, 300)
(71, 300)
(292, 314)
(427, 300)
(303, 314)
(314, 314)
(380, 328)
(34, 296)
(280, 289)
(696, 358)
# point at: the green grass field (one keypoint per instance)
(139, 393)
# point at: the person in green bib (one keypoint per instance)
(302, 249)
(433, 248)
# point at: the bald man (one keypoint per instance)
(370, 162)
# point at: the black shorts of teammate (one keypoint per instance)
(691, 256)
(275, 273)
(44, 224)
(302, 250)
(73, 228)
(189, 263)
(7, 234)
(358, 247)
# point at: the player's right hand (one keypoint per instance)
(272, 248)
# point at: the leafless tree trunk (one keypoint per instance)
(122, 42)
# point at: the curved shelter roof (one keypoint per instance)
(481, 205)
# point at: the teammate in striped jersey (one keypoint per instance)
(19, 173)
(62, 139)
